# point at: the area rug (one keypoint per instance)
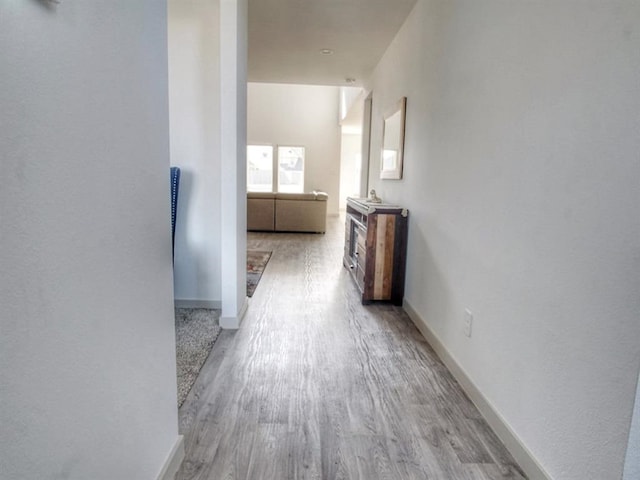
(196, 331)
(256, 262)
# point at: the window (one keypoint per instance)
(264, 171)
(291, 169)
(259, 168)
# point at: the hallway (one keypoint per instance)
(315, 385)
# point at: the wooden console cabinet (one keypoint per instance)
(375, 249)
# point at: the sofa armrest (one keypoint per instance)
(261, 211)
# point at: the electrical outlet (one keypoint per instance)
(468, 322)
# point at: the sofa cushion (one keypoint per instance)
(261, 195)
(295, 196)
(300, 215)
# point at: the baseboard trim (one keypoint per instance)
(233, 323)
(184, 303)
(512, 442)
(174, 460)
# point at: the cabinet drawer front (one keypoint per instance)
(362, 238)
(360, 278)
(361, 255)
(383, 276)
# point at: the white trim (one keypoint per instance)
(233, 323)
(520, 452)
(632, 457)
(173, 461)
(184, 303)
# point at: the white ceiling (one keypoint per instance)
(286, 36)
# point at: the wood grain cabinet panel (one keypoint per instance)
(375, 249)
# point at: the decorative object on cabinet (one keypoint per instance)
(373, 198)
(375, 249)
(392, 155)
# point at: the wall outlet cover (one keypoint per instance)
(468, 322)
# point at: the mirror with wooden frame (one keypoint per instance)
(391, 158)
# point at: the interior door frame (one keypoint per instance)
(366, 146)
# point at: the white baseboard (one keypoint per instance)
(518, 450)
(184, 303)
(233, 323)
(174, 460)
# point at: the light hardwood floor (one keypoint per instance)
(315, 385)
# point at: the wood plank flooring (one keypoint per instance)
(315, 385)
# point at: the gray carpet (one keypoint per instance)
(196, 331)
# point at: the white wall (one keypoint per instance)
(349, 98)
(194, 98)
(87, 352)
(233, 152)
(301, 115)
(521, 177)
(350, 160)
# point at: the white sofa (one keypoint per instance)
(287, 212)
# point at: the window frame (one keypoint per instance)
(273, 173)
(275, 165)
